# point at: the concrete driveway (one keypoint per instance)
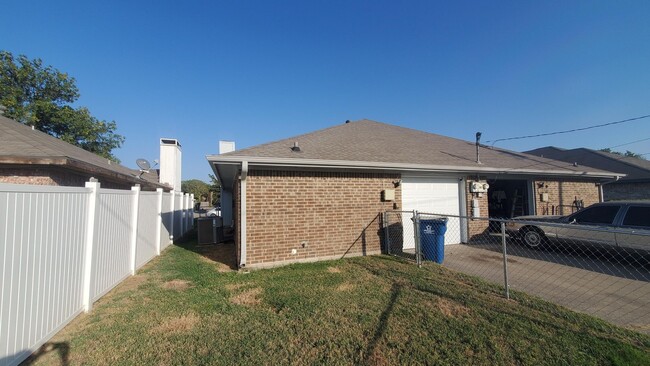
(618, 293)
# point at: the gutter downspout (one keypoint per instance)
(600, 188)
(242, 218)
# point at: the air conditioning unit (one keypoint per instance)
(210, 230)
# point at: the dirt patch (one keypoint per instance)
(221, 267)
(451, 308)
(178, 285)
(180, 325)
(345, 286)
(233, 286)
(333, 270)
(249, 297)
(130, 284)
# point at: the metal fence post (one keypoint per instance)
(505, 259)
(386, 233)
(416, 237)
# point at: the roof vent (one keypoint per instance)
(295, 147)
(478, 146)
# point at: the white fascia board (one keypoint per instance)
(318, 163)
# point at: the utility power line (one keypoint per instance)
(629, 143)
(569, 131)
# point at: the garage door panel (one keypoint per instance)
(433, 195)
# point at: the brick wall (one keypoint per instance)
(626, 191)
(476, 227)
(52, 176)
(333, 214)
(562, 194)
(46, 176)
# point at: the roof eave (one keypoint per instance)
(80, 166)
(365, 165)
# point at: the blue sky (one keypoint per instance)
(256, 71)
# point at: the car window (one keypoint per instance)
(597, 215)
(637, 216)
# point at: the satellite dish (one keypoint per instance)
(143, 164)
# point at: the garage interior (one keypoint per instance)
(508, 198)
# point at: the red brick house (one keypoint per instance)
(635, 172)
(30, 156)
(321, 195)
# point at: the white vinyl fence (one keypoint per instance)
(62, 248)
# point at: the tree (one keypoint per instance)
(215, 189)
(41, 96)
(627, 153)
(203, 190)
(199, 188)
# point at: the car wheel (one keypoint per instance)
(533, 237)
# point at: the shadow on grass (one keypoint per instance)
(383, 324)
(62, 348)
(224, 253)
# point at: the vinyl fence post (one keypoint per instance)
(159, 191)
(386, 232)
(191, 218)
(182, 220)
(187, 213)
(505, 259)
(173, 216)
(91, 220)
(134, 225)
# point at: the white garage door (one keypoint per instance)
(433, 195)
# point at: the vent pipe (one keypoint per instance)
(295, 147)
(478, 145)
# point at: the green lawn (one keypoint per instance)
(183, 308)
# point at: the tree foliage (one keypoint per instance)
(202, 190)
(627, 153)
(199, 188)
(215, 189)
(41, 96)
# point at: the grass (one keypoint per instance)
(184, 308)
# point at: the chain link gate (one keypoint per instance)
(400, 232)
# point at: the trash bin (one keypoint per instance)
(432, 239)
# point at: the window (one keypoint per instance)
(597, 215)
(637, 216)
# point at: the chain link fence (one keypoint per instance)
(603, 272)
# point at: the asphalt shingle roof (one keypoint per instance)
(371, 141)
(20, 142)
(634, 168)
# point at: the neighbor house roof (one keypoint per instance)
(21, 145)
(634, 169)
(375, 145)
